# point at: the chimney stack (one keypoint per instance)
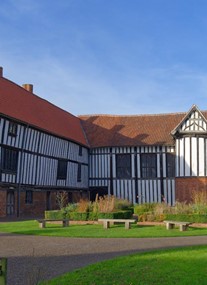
(28, 87)
(1, 71)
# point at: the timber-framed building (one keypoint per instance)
(142, 158)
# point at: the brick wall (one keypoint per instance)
(38, 206)
(184, 187)
(36, 209)
(2, 203)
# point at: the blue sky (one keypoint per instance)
(108, 56)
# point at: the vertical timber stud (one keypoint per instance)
(111, 172)
(21, 172)
(161, 177)
(136, 175)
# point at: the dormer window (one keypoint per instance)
(12, 129)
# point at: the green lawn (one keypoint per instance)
(96, 231)
(4, 270)
(181, 266)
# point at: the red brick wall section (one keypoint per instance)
(186, 187)
(2, 203)
(34, 209)
(37, 208)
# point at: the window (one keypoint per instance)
(123, 166)
(29, 197)
(148, 165)
(9, 160)
(79, 173)
(12, 129)
(62, 169)
(80, 150)
(170, 165)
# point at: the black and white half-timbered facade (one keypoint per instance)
(148, 158)
(45, 150)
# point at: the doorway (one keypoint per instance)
(10, 203)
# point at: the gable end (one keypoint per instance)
(193, 123)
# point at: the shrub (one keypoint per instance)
(106, 204)
(144, 208)
(199, 197)
(61, 199)
(123, 204)
(83, 206)
(181, 208)
(86, 210)
(71, 208)
(161, 209)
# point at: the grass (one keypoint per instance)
(182, 266)
(96, 231)
(4, 270)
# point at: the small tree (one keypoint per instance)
(61, 199)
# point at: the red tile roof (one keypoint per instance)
(141, 130)
(20, 104)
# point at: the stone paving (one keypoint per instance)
(39, 257)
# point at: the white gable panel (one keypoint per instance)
(194, 122)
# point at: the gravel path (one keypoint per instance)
(38, 257)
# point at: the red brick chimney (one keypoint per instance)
(28, 87)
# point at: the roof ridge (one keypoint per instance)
(133, 115)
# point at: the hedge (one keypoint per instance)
(115, 215)
(192, 218)
(76, 216)
(54, 215)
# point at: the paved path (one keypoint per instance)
(31, 257)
